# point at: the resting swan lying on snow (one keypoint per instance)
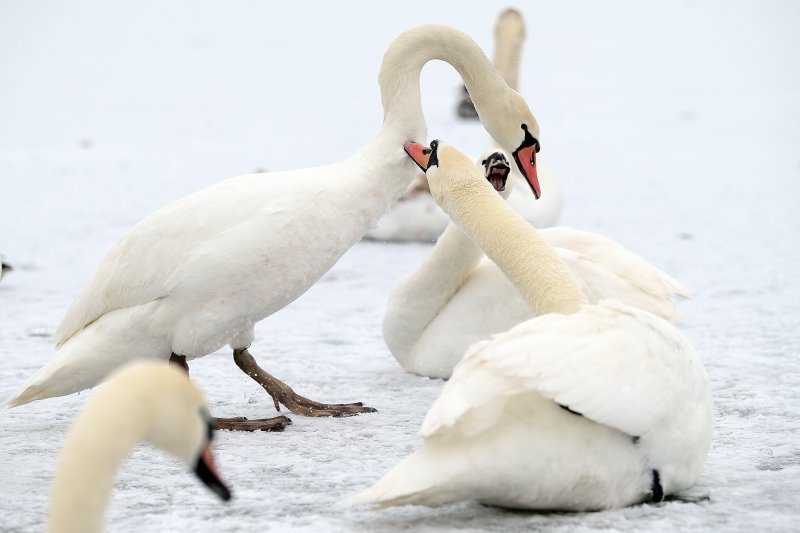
(585, 407)
(457, 296)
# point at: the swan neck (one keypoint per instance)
(509, 38)
(86, 472)
(402, 65)
(528, 261)
(420, 297)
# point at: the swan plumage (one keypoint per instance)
(199, 273)
(585, 407)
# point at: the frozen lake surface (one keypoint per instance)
(672, 128)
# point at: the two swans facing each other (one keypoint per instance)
(416, 216)
(147, 401)
(199, 273)
(457, 296)
(585, 407)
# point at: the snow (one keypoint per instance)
(672, 127)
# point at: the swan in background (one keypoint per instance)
(145, 401)
(4, 267)
(416, 217)
(199, 273)
(457, 296)
(586, 407)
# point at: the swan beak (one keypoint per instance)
(5, 267)
(419, 153)
(206, 470)
(525, 156)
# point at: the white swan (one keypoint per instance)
(416, 217)
(584, 407)
(457, 296)
(145, 401)
(199, 273)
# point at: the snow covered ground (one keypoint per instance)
(674, 128)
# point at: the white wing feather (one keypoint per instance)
(606, 269)
(614, 364)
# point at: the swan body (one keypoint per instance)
(144, 401)
(417, 217)
(458, 296)
(585, 407)
(199, 273)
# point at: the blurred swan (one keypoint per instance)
(142, 402)
(586, 407)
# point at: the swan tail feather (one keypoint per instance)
(87, 357)
(423, 478)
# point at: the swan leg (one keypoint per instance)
(238, 423)
(283, 394)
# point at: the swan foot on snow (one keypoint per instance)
(238, 423)
(283, 394)
(241, 423)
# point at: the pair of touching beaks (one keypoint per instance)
(525, 157)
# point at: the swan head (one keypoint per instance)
(174, 415)
(511, 123)
(496, 170)
(448, 169)
(492, 166)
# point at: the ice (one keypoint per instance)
(673, 127)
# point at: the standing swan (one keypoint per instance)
(144, 401)
(585, 407)
(199, 273)
(457, 296)
(416, 217)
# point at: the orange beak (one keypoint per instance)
(526, 161)
(206, 470)
(419, 153)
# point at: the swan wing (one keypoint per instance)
(606, 269)
(614, 364)
(138, 269)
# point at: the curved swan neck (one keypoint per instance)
(87, 468)
(420, 296)
(402, 65)
(515, 246)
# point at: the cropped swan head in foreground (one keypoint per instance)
(145, 401)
